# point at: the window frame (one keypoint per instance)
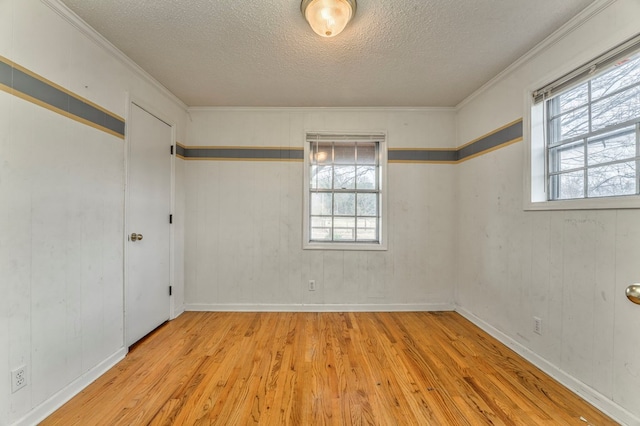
(537, 170)
(346, 137)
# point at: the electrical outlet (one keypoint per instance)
(18, 378)
(312, 285)
(537, 325)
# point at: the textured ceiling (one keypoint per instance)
(263, 53)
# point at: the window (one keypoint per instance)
(344, 191)
(588, 126)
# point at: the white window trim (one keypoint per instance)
(535, 197)
(535, 174)
(377, 246)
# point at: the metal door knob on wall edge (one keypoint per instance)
(136, 237)
(633, 293)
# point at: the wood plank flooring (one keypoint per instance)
(403, 368)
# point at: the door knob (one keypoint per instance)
(136, 237)
(633, 293)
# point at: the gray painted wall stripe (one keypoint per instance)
(498, 138)
(245, 154)
(41, 91)
(5, 74)
(57, 98)
(422, 155)
(510, 133)
(115, 124)
(79, 109)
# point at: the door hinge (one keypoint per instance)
(170, 290)
(171, 149)
(170, 218)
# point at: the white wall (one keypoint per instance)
(569, 268)
(244, 218)
(61, 222)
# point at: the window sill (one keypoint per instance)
(345, 246)
(604, 203)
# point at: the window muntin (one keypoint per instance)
(345, 191)
(593, 135)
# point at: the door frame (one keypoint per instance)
(131, 100)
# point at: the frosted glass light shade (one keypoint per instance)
(328, 18)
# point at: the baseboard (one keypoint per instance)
(239, 307)
(584, 391)
(43, 410)
(177, 313)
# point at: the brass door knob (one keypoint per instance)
(633, 293)
(136, 237)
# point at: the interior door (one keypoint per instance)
(147, 301)
(626, 336)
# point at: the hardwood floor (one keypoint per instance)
(403, 368)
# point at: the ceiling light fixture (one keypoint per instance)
(328, 17)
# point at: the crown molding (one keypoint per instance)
(576, 22)
(562, 32)
(318, 109)
(77, 22)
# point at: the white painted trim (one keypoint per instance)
(581, 389)
(319, 109)
(535, 190)
(249, 307)
(575, 23)
(602, 203)
(77, 22)
(383, 160)
(43, 410)
(125, 216)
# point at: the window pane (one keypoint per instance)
(366, 177)
(344, 205)
(345, 154)
(340, 234)
(320, 153)
(614, 179)
(345, 177)
(367, 229)
(321, 228)
(574, 98)
(568, 185)
(567, 157)
(620, 76)
(321, 204)
(367, 204)
(367, 153)
(321, 177)
(344, 222)
(569, 125)
(615, 146)
(344, 229)
(616, 109)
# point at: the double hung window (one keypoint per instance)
(591, 128)
(344, 194)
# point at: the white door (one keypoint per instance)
(626, 335)
(147, 297)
